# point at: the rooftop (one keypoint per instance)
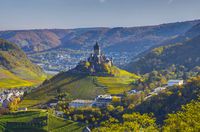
(105, 96)
(82, 101)
(174, 81)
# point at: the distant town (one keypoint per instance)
(64, 59)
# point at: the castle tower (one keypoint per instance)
(97, 50)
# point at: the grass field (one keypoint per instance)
(13, 123)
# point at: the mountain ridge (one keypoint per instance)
(161, 57)
(119, 38)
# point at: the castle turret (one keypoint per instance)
(97, 50)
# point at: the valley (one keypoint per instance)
(99, 66)
(58, 50)
(84, 87)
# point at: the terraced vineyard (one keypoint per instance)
(39, 121)
(57, 124)
(119, 83)
(80, 86)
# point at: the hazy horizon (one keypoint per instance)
(71, 14)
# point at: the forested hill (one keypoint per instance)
(171, 99)
(184, 54)
(191, 33)
(16, 68)
(134, 39)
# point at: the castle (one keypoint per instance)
(96, 63)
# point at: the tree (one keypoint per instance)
(188, 119)
(14, 104)
(131, 123)
(110, 108)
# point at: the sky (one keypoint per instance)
(64, 14)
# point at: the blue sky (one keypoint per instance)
(40, 14)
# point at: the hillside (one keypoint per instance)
(171, 99)
(184, 54)
(134, 39)
(94, 76)
(80, 86)
(16, 69)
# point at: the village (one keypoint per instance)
(64, 60)
(7, 96)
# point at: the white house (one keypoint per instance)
(53, 104)
(22, 109)
(158, 89)
(132, 91)
(59, 113)
(174, 82)
(102, 100)
(81, 103)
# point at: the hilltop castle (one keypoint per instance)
(96, 63)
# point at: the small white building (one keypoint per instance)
(102, 100)
(81, 103)
(132, 91)
(53, 104)
(22, 109)
(59, 113)
(158, 89)
(175, 82)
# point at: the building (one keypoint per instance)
(174, 82)
(158, 89)
(59, 113)
(86, 129)
(53, 104)
(95, 62)
(97, 58)
(102, 100)
(22, 109)
(6, 103)
(81, 103)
